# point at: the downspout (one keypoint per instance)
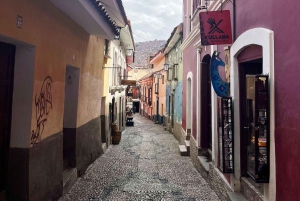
(234, 21)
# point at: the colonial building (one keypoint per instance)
(51, 81)
(173, 66)
(118, 55)
(244, 135)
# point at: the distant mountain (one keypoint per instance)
(144, 49)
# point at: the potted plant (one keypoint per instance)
(116, 134)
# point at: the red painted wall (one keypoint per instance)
(283, 18)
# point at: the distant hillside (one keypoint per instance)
(143, 49)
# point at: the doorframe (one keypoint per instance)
(21, 112)
(189, 104)
(70, 112)
(265, 38)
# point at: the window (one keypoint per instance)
(106, 47)
(156, 88)
(175, 71)
(169, 74)
(163, 79)
(150, 97)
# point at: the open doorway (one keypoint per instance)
(102, 119)
(7, 59)
(70, 116)
(172, 112)
(189, 107)
(253, 67)
(136, 107)
(206, 105)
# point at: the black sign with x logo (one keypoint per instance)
(214, 26)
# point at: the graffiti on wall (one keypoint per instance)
(43, 105)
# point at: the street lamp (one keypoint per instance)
(166, 67)
(129, 52)
(117, 37)
(159, 76)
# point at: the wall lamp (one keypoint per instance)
(129, 52)
(117, 37)
(159, 75)
(166, 67)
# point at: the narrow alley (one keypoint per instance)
(146, 165)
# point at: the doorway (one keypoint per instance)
(172, 111)
(136, 107)
(7, 59)
(102, 119)
(206, 107)
(189, 107)
(253, 67)
(70, 116)
(157, 110)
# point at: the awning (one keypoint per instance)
(128, 82)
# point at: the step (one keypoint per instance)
(187, 136)
(3, 196)
(104, 147)
(183, 150)
(235, 196)
(187, 145)
(204, 162)
(69, 178)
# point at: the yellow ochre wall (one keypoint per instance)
(159, 64)
(58, 42)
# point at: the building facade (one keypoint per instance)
(262, 100)
(173, 57)
(51, 92)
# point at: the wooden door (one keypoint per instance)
(7, 55)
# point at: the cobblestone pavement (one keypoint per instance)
(146, 165)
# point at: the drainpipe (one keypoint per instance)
(234, 20)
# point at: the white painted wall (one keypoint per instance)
(264, 38)
(22, 96)
(189, 98)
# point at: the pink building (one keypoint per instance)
(262, 62)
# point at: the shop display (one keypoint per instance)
(226, 129)
(257, 128)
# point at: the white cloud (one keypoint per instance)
(153, 19)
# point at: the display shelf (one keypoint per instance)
(226, 125)
(258, 128)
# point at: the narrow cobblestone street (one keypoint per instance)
(146, 165)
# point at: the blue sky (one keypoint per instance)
(153, 19)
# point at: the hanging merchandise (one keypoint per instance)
(220, 86)
(226, 133)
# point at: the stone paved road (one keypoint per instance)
(146, 165)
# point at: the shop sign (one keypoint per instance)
(215, 28)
